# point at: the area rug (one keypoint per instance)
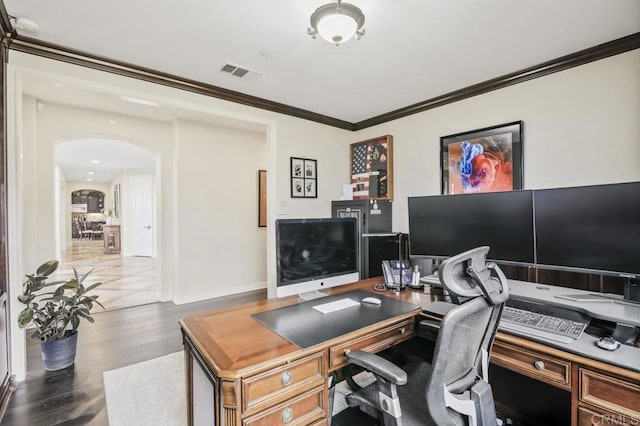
(153, 392)
(148, 393)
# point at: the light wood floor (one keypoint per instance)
(126, 280)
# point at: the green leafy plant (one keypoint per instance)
(55, 308)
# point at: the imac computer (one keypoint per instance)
(314, 254)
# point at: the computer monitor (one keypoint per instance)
(593, 229)
(314, 254)
(444, 225)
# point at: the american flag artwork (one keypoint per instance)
(360, 171)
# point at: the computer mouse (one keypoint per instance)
(372, 301)
(608, 343)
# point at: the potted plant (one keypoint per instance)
(55, 310)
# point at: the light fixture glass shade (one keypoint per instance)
(337, 22)
(337, 28)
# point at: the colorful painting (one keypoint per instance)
(485, 160)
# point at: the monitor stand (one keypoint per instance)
(311, 295)
(632, 290)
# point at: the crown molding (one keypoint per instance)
(6, 30)
(615, 47)
(77, 57)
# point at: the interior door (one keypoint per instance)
(142, 209)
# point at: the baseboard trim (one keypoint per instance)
(219, 293)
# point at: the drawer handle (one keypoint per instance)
(286, 378)
(539, 365)
(402, 330)
(347, 351)
(287, 415)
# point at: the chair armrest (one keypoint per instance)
(438, 309)
(378, 366)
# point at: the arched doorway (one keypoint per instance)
(98, 204)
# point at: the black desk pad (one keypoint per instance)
(305, 327)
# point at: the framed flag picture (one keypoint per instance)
(372, 169)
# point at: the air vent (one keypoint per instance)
(240, 72)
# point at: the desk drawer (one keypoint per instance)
(545, 368)
(301, 410)
(593, 417)
(281, 383)
(610, 393)
(372, 342)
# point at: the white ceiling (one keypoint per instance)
(413, 50)
(100, 160)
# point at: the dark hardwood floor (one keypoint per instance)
(75, 396)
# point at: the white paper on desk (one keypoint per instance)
(347, 191)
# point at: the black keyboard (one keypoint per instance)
(561, 326)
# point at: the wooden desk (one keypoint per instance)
(239, 372)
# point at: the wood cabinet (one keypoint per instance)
(111, 235)
(601, 394)
(373, 342)
(282, 383)
(549, 369)
(618, 395)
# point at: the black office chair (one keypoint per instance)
(453, 389)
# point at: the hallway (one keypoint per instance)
(126, 280)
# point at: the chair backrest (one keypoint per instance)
(460, 359)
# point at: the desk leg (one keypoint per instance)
(202, 389)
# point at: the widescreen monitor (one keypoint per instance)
(314, 254)
(444, 225)
(590, 229)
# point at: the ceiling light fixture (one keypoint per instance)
(337, 22)
(95, 161)
(90, 173)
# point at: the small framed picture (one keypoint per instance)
(310, 169)
(310, 188)
(304, 178)
(297, 187)
(262, 198)
(297, 167)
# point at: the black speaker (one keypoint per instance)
(379, 247)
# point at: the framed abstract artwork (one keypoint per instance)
(304, 178)
(372, 169)
(483, 160)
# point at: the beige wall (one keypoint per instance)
(581, 127)
(220, 248)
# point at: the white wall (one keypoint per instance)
(220, 248)
(581, 127)
(285, 137)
